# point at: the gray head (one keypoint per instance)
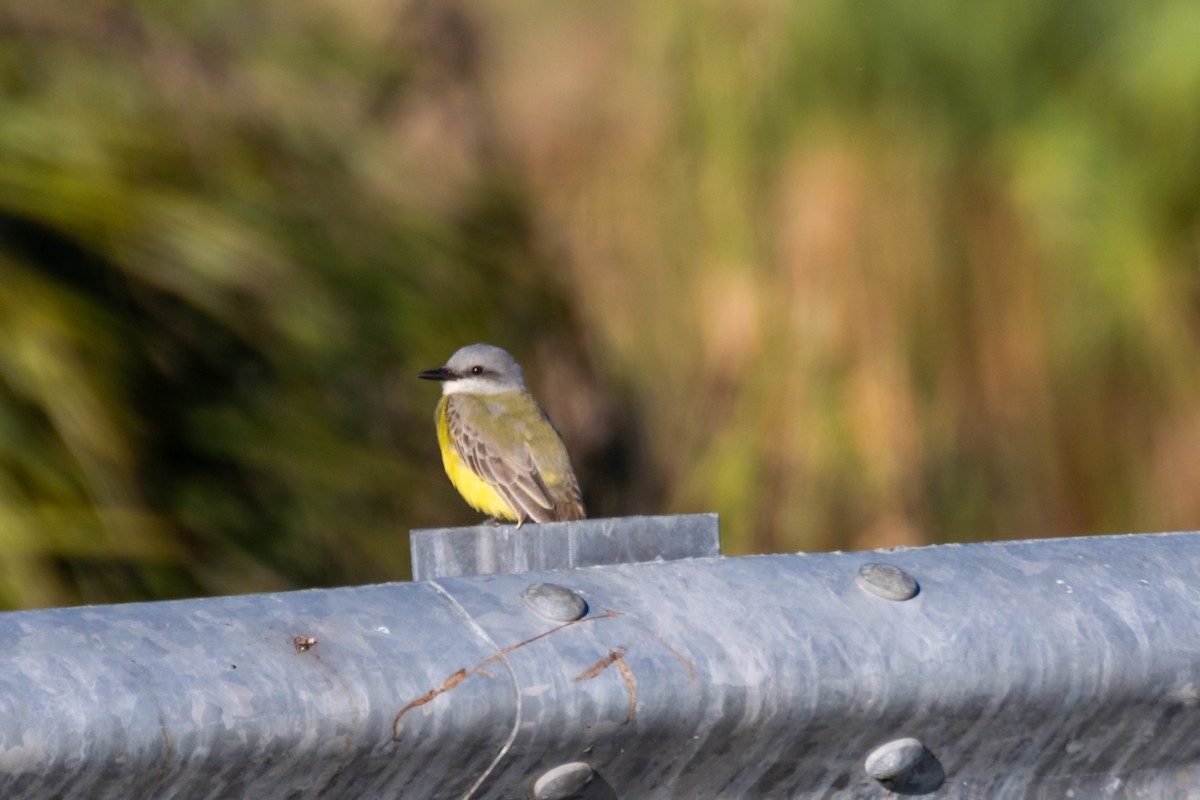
(478, 369)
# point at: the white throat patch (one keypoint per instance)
(475, 385)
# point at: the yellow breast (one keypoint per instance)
(475, 490)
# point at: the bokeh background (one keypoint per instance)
(851, 275)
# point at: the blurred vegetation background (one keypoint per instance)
(851, 276)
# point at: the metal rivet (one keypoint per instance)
(887, 581)
(555, 602)
(564, 781)
(895, 759)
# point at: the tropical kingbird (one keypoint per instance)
(499, 448)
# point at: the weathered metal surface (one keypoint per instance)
(232, 698)
(1041, 669)
(485, 549)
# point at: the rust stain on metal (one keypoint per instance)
(462, 674)
(615, 657)
(304, 643)
(447, 685)
(606, 615)
(627, 675)
(603, 664)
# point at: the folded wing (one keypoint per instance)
(541, 487)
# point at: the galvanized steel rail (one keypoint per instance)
(1052, 668)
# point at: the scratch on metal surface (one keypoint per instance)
(687, 663)
(512, 733)
(169, 742)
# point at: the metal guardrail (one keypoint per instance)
(1054, 668)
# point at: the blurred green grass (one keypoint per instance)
(850, 276)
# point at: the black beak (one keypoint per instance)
(439, 374)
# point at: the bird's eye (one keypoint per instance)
(476, 370)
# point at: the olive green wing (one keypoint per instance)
(553, 468)
(503, 439)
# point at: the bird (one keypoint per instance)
(499, 448)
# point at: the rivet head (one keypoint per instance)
(555, 602)
(887, 581)
(894, 759)
(563, 782)
(905, 766)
